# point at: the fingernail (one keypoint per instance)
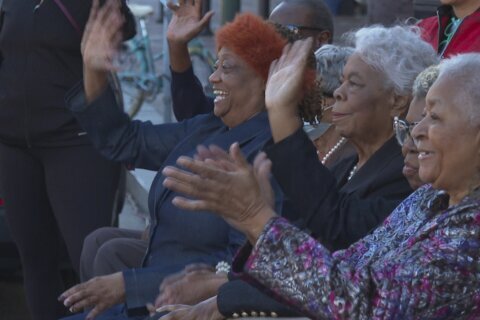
(72, 309)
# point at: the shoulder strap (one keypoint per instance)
(67, 14)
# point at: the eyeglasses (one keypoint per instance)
(297, 29)
(403, 130)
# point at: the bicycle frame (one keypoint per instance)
(138, 72)
(146, 78)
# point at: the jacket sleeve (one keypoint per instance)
(115, 136)
(435, 275)
(335, 218)
(239, 296)
(188, 98)
(141, 287)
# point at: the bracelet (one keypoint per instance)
(222, 266)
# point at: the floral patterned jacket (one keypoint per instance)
(422, 263)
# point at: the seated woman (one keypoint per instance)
(246, 48)
(357, 193)
(422, 84)
(422, 263)
(331, 147)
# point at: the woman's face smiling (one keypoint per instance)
(362, 111)
(447, 142)
(238, 89)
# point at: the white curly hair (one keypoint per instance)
(464, 71)
(398, 53)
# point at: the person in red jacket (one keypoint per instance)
(455, 29)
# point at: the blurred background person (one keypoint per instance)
(455, 29)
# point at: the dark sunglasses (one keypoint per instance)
(297, 29)
(403, 130)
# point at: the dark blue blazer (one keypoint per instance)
(178, 237)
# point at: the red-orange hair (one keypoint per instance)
(254, 40)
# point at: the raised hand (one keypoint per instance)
(99, 45)
(226, 185)
(187, 21)
(285, 88)
(102, 36)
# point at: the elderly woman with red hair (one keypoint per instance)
(245, 49)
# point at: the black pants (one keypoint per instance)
(51, 194)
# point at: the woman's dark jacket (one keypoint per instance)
(177, 237)
(40, 60)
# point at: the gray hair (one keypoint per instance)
(330, 62)
(464, 70)
(424, 81)
(398, 53)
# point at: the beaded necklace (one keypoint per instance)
(337, 146)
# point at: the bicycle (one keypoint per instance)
(138, 76)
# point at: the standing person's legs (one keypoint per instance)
(109, 249)
(81, 186)
(33, 228)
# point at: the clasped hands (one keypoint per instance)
(226, 184)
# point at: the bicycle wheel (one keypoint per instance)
(133, 66)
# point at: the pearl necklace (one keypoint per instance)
(337, 146)
(352, 173)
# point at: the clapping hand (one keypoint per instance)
(227, 185)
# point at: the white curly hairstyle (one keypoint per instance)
(424, 81)
(398, 53)
(330, 62)
(464, 71)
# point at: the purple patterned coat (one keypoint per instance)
(422, 263)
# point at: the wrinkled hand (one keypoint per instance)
(102, 36)
(189, 287)
(206, 310)
(187, 21)
(194, 267)
(286, 77)
(99, 293)
(226, 185)
(285, 89)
